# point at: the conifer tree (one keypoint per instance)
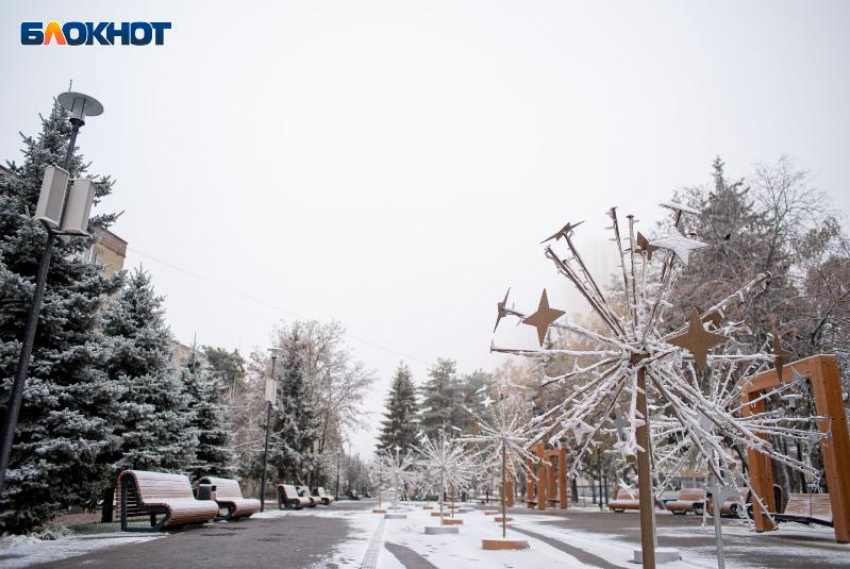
(214, 456)
(153, 417)
(293, 421)
(440, 398)
(61, 432)
(399, 427)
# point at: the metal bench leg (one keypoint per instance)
(123, 505)
(162, 522)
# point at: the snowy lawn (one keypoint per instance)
(461, 551)
(22, 551)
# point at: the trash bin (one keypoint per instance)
(206, 491)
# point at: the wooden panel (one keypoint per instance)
(562, 478)
(224, 487)
(542, 482)
(761, 475)
(826, 384)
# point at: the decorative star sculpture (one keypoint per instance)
(698, 340)
(502, 308)
(715, 317)
(563, 232)
(782, 355)
(645, 246)
(680, 245)
(677, 207)
(543, 318)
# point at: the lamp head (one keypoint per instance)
(80, 106)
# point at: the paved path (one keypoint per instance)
(409, 558)
(586, 558)
(293, 542)
(777, 550)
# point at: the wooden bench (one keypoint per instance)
(288, 497)
(325, 498)
(625, 500)
(228, 495)
(688, 500)
(730, 507)
(807, 509)
(151, 494)
(304, 492)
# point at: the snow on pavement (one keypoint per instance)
(21, 551)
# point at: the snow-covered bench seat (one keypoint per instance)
(688, 500)
(304, 492)
(625, 500)
(287, 497)
(807, 509)
(228, 495)
(151, 494)
(323, 496)
(730, 507)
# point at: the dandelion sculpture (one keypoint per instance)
(503, 440)
(446, 460)
(395, 470)
(635, 360)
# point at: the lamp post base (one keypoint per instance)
(503, 544)
(662, 555)
(441, 530)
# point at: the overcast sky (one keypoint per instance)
(394, 164)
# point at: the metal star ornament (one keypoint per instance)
(502, 309)
(543, 318)
(680, 245)
(781, 354)
(698, 340)
(563, 232)
(645, 246)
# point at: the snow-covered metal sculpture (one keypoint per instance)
(503, 439)
(636, 359)
(396, 470)
(446, 459)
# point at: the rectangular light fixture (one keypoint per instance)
(51, 199)
(78, 208)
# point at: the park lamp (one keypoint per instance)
(61, 210)
(80, 106)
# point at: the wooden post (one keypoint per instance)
(551, 478)
(826, 385)
(542, 484)
(647, 529)
(761, 473)
(562, 478)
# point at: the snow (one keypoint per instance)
(22, 551)
(369, 533)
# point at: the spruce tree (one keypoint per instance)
(61, 432)
(294, 427)
(472, 390)
(399, 427)
(742, 244)
(214, 456)
(440, 398)
(153, 417)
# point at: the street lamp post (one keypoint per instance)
(270, 396)
(62, 213)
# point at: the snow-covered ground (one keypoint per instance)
(463, 550)
(366, 545)
(21, 551)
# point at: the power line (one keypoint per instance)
(267, 304)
